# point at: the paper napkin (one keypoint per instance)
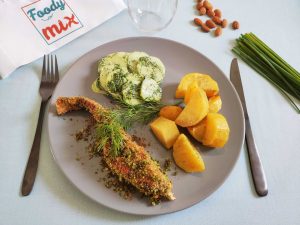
(30, 29)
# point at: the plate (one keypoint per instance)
(189, 188)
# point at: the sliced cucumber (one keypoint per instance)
(151, 67)
(130, 93)
(119, 58)
(133, 59)
(96, 87)
(150, 90)
(106, 75)
(113, 80)
(134, 78)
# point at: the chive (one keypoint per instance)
(269, 65)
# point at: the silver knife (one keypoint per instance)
(258, 174)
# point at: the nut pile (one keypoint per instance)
(215, 22)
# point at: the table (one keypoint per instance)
(275, 124)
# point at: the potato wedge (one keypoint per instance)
(195, 110)
(186, 155)
(165, 130)
(217, 130)
(214, 104)
(188, 92)
(204, 81)
(170, 112)
(198, 130)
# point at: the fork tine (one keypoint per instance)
(44, 69)
(56, 74)
(52, 70)
(48, 77)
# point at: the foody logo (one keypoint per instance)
(52, 19)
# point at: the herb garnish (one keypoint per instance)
(115, 121)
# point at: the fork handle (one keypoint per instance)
(32, 163)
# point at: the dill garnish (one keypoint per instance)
(128, 115)
(111, 128)
(110, 131)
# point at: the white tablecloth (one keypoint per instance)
(275, 124)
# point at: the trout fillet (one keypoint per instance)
(134, 164)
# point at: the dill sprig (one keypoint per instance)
(128, 115)
(110, 130)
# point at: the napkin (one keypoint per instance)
(32, 28)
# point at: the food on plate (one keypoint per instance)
(130, 92)
(186, 155)
(213, 131)
(165, 130)
(197, 131)
(199, 115)
(204, 81)
(151, 67)
(214, 104)
(133, 59)
(195, 110)
(170, 112)
(217, 131)
(133, 77)
(188, 93)
(133, 163)
(150, 90)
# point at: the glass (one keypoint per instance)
(152, 15)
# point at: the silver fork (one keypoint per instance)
(50, 77)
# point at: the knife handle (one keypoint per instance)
(257, 169)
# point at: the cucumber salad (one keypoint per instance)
(133, 77)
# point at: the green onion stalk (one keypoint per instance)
(270, 65)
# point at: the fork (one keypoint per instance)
(50, 77)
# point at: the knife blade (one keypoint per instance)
(257, 170)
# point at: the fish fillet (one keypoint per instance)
(134, 164)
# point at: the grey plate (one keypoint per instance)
(189, 189)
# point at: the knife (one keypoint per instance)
(257, 170)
